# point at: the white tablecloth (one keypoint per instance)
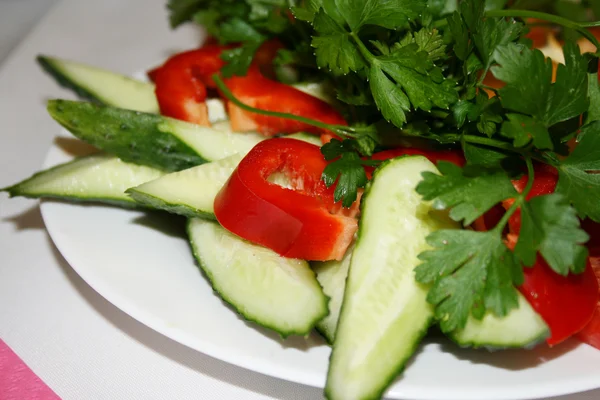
(78, 343)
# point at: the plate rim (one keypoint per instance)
(268, 368)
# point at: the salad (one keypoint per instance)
(369, 169)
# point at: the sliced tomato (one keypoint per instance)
(296, 222)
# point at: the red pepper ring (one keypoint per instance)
(297, 222)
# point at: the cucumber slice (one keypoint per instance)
(112, 89)
(306, 137)
(96, 178)
(100, 85)
(278, 293)
(522, 327)
(190, 192)
(149, 139)
(332, 278)
(385, 312)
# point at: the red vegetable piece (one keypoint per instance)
(260, 92)
(567, 304)
(296, 222)
(490, 219)
(182, 81)
(591, 333)
(544, 182)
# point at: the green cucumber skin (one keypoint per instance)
(327, 326)
(28, 187)
(49, 65)
(156, 203)
(487, 333)
(282, 333)
(418, 335)
(101, 86)
(493, 347)
(132, 136)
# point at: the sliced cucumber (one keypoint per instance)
(112, 89)
(332, 278)
(275, 292)
(306, 137)
(149, 139)
(190, 192)
(385, 313)
(100, 85)
(96, 178)
(522, 327)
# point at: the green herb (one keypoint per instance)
(413, 71)
(467, 193)
(549, 225)
(579, 180)
(470, 272)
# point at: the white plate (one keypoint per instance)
(142, 264)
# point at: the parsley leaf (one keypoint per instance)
(350, 175)
(529, 88)
(593, 113)
(468, 194)
(307, 11)
(428, 40)
(472, 30)
(579, 177)
(523, 129)
(423, 83)
(486, 157)
(389, 97)
(391, 14)
(346, 168)
(470, 272)
(460, 33)
(486, 111)
(550, 225)
(333, 47)
(238, 30)
(239, 59)
(491, 33)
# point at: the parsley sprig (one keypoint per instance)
(416, 72)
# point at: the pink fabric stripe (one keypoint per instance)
(17, 381)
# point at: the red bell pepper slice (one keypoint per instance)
(565, 303)
(257, 91)
(296, 222)
(182, 82)
(546, 178)
(591, 332)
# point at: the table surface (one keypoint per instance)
(79, 344)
